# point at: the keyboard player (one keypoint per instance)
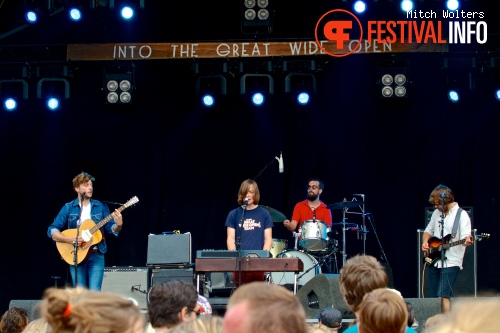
(256, 230)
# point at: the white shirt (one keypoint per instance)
(455, 254)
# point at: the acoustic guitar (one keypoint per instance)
(90, 233)
(436, 246)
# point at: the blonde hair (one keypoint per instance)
(383, 310)
(475, 315)
(359, 276)
(36, 326)
(271, 308)
(204, 324)
(81, 311)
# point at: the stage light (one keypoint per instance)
(452, 4)
(406, 5)
(127, 13)
(359, 7)
(258, 99)
(75, 13)
(257, 17)
(393, 80)
(454, 96)
(211, 88)
(497, 94)
(303, 98)
(10, 104)
(258, 85)
(53, 103)
(118, 84)
(12, 92)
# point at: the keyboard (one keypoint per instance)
(233, 254)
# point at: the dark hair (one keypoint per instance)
(245, 187)
(411, 314)
(436, 195)
(321, 184)
(167, 299)
(14, 320)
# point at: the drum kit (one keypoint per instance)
(318, 247)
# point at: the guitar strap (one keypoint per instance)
(455, 224)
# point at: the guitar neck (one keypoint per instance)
(105, 220)
(448, 245)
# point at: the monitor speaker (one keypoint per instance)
(31, 307)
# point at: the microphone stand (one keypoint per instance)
(238, 242)
(442, 251)
(75, 245)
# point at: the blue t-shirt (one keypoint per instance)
(254, 223)
(354, 329)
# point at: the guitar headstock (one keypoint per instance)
(131, 202)
(482, 236)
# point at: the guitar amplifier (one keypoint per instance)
(129, 282)
(161, 275)
(169, 249)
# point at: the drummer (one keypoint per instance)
(311, 208)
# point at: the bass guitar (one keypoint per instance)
(90, 233)
(436, 246)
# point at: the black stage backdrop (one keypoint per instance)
(185, 163)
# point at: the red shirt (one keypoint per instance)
(302, 212)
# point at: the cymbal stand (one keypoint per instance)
(296, 235)
(361, 232)
(344, 254)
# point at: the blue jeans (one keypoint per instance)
(449, 277)
(90, 272)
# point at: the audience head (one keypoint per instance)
(330, 317)
(382, 310)
(14, 320)
(171, 303)
(260, 307)
(471, 316)
(359, 276)
(433, 321)
(36, 326)
(81, 310)
(203, 324)
(411, 314)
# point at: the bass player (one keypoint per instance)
(83, 208)
(453, 255)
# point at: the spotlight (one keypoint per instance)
(452, 4)
(257, 17)
(393, 80)
(453, 96)
(53, 103)
(127, 13)
(258, 99)
(211, 88)
(12, 92)
(10, 104)
(258, 85)
(118, 84)
(497, 94)
(359, 7)
(75, 13)
(303, 98)
(300, 85)
(406, 5)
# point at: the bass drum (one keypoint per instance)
(283, 278)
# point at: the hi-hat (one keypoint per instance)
(276, 216)
(345, 204)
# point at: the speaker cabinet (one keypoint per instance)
(323, 291)
(424, 308)
(161, 275)
(466, 284)
(31, 307)
(169, 249)
(130, 282)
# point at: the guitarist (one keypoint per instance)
(91, 270)
(454, 255)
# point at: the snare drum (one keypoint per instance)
(283, 278)
(314, 235)
(279, 245)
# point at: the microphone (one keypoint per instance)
(281, 166)
(443, 195)
(245, 202)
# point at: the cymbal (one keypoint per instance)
(345, 204)
(276, 216)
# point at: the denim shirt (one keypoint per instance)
(70, 213)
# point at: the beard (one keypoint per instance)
(312, 196)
